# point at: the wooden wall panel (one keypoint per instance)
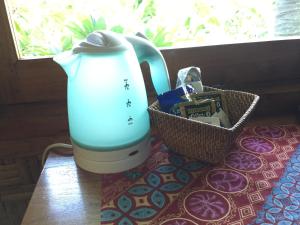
(240, 65)
(39, 80)
(236, 66)
(8, 57)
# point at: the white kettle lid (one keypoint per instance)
(101, 42)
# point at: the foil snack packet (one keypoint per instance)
(190, 76)
(214, 95)
(196, 109)
(221, 105)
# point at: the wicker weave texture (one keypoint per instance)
(200, 140)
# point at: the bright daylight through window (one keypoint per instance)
(46, 27)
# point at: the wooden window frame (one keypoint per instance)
(269, 68)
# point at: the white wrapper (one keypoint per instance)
(223, 118)
(191, 76)
(209, 120)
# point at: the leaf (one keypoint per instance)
(124, 203)
(258, 221)
(58, 17)
(200, 27)
(108, 215)
(153, 180)
(290, 179)
(41, 51)
(253, 10)
(158, 199)
(274, 210)
(159, 38)
(166, 169)
(149, 34)
(293, 174)
(214, 21)
(296, 195)
(295, 201)
(149, 11)
(100, 24)
(76, 30)
(296, 166)
(137, 3)
(281, 196)
(285, 222)
(288, 215)
(291, 207)
(187, 23)
(284, 189)
(66, 43)
(143, 213)
(125, 221)
(171, 186)
(88, 25)
(277, 203)
(183, 176)
(270, 217)
(276, 191)
(140, 190)
(118, 29)
(18, 27)
(176, 160)
(287, 184)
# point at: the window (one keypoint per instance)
(44, 28)
(26, 76)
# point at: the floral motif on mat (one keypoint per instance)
(170, 189)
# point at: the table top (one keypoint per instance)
(68, 195)
(64, 195)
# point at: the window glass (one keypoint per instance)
(46, 27)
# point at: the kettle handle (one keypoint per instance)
(146, 51)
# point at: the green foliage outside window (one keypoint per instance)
(44, 28)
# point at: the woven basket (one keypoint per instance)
(200, 140)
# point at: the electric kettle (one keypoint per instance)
(107, 102)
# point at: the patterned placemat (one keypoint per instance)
(172, 189)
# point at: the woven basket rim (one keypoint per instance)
(231, 129)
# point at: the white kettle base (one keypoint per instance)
(114, 161)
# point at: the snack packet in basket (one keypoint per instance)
(221, 105)
(215, 95)
(223, 118)
(196, 109)
(209, 120)
(190, 76)
(168, 101)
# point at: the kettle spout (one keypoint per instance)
(68, 62)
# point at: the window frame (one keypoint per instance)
(260, 67)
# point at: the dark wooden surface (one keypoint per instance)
(17, 181)
(26, 129)
(67, 195)
(269, 69)
(64, 195)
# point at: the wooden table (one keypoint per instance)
(64, 195)
(67, 195)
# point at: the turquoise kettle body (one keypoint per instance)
(107, 101)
